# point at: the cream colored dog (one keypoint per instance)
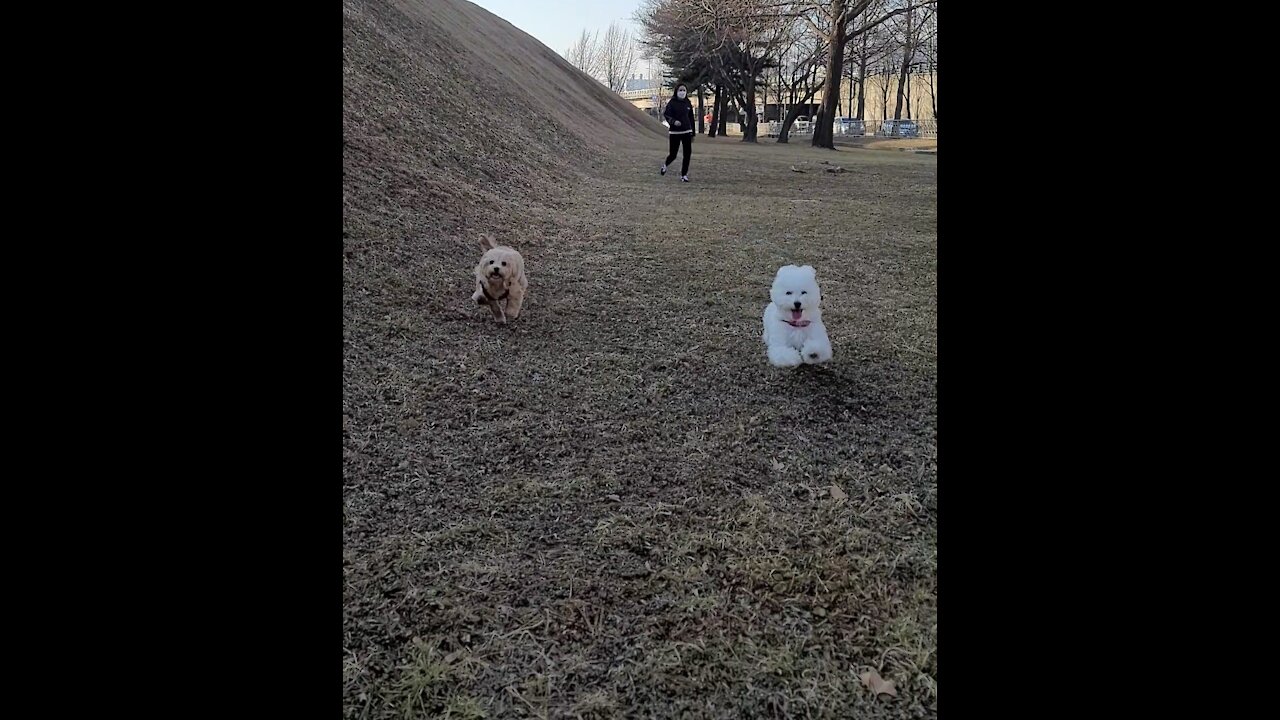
(500, 276)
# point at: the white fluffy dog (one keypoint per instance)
(793, 327)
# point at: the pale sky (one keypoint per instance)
(557, 23)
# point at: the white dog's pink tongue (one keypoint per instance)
(796, 314)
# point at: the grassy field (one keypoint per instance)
(614, 506)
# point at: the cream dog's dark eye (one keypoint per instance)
(504, 263)
(492, 262)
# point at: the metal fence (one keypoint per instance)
(923, 128)
(874, 128)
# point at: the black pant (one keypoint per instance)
(676, 141)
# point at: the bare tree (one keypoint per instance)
(798, 75)
(872, 48)
(849, 19)
(851, 72)
(739, 40)
(864, 57)
(907, 52)
(585, 53)
(618, 56)
(864, 52)
(884, 78)
(929, 51)
(910, 37)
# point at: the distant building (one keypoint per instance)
(645, 93)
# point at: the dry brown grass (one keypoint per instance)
(614, 506)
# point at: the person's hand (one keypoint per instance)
(677, 123)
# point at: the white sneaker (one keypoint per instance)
(663, 171)
(684, 178)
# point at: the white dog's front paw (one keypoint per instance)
(784, 356)
(816, 352)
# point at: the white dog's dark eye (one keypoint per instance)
(804, 292)
(788, 292)
(492, 262)
(504, 263)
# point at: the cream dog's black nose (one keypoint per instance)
(797, 304)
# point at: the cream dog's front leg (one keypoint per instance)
(515, 299)
(495, 306)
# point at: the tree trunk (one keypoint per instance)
(763, 92)
(785, 133)
(862, 75)
(716, 110)
(782, 106)
(902, 84)
(933, 96)
(850, 112)
(724, 107)
(884, 94)
(933, 91)
(799, 104)
(907, 52)
(749, 132)
(823, 135)
(701, 123)
(908, 104)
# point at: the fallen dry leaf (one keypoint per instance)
(777, 466)
(837, 494)
(877, 684)
(793, 169)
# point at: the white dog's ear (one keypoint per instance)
(808, 270)
(487, 242)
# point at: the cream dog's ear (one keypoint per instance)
(487, 242)
(517, 267)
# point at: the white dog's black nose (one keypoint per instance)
(797, 304)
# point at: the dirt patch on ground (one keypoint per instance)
(889, 143)
(614, 506)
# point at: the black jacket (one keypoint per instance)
(681, 110)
